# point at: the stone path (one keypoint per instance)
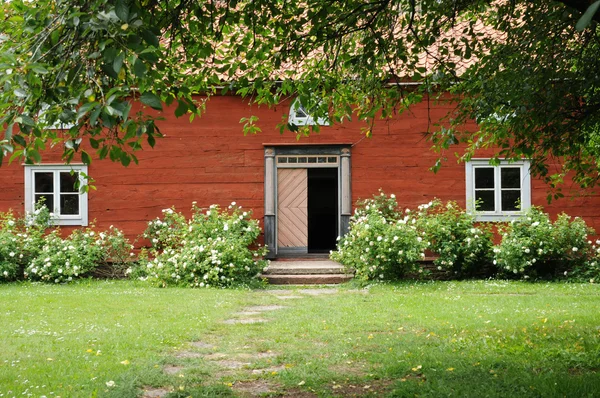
(243, 363)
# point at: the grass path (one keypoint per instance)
(474, 339)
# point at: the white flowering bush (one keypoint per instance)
(79, 255)
(383, 243)
(215, 247)
(20, 241)
(534, 246)
(9, 248)
(589, 271)
(461, 246)
(168, 231)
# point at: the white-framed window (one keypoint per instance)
(501, 192)
(299, 116)
(57, 185)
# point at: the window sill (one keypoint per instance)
(497, 217)
(77, 222)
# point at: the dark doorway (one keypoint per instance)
(322, 209)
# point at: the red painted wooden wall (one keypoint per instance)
(210, 161)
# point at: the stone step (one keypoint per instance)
(315, 279)
(305, 267)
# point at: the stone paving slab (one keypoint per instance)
(215, 356)
(245, 321)
(318, 292)
(246, 313)
(202, 345)
(188, 354)
(253, 388)
(173, 369)
(269, 370)
(259, 355)
(261, 308)
(151, 392)
(232, 364)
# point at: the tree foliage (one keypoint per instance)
(529, 78)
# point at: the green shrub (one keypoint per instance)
(382, 243)
(79, 255)
(21, 240)
(589, 271)
(9, 248)
(462, 247)
(167, 232)
(533, 246)
(213, 248)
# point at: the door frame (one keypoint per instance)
(272, 151)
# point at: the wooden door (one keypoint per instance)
(292, 210)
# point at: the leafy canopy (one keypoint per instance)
(526, 71)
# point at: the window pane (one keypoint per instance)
(301, 160)
(484, 177)
(332, 160)
(48, 201)
(485, 200)
(292, 160)
(69, 204)
(312, 160)
(282, 160)
(44, 182)
(321, 159)
(301, 112)
(510, 200)
(510, 177)
(67, 182)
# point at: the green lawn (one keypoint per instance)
(474, 339)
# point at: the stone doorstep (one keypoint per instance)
(304, 267)
(317, 279)
(306, 272)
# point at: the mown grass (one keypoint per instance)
(475, 339)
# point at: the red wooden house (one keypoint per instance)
(302, 191)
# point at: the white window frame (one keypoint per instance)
(498, 214)
(307, 120)
(75, 219)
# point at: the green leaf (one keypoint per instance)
(151, 100)
(85, 108)
(25, 120)
(19, 92)
(9, 131)
(94, 115)
(94, 143)
(103, 152)
(122, 10)
(139, 68)
(586, 18)
(85, 157)
(150, 38)
(37, 68)
(118, 62)
(151, 141)
(125, 159)
(19, 139)
(182, 108)
(15, 155)
(34, 155)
